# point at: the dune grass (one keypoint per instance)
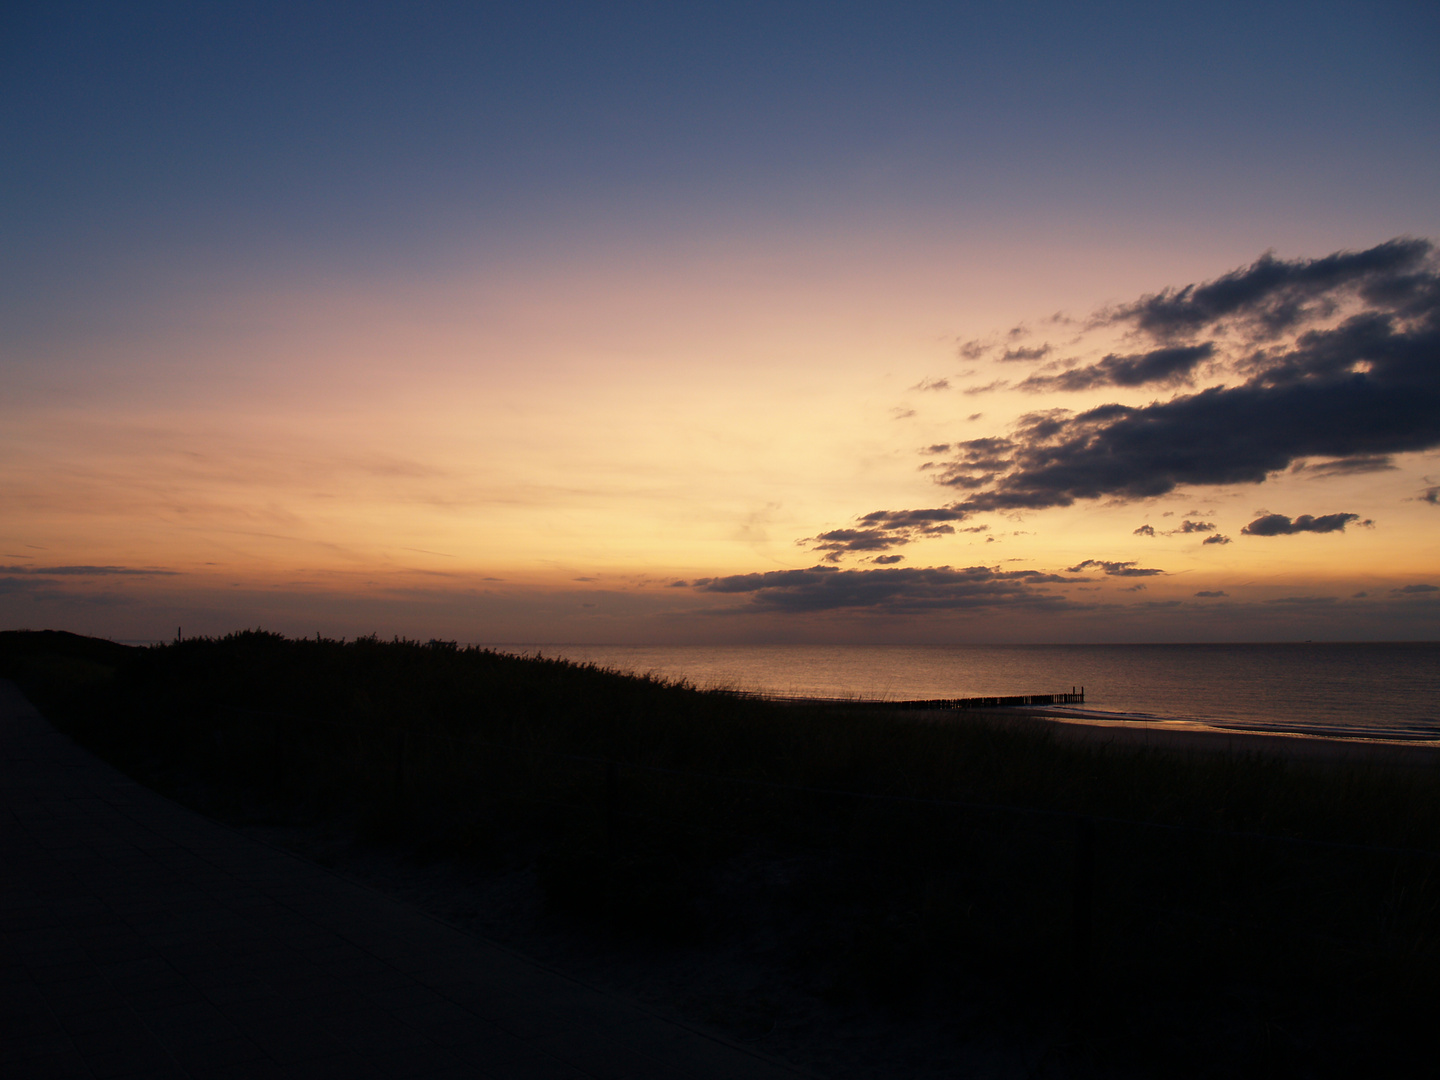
(897, 860)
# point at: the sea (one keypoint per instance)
(1388, 690)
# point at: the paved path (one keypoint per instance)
(140, 939)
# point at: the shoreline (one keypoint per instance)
(1383, 746)
(1192, 736)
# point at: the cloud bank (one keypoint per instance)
(1333, 360)
(891, 591)
(1366, 387)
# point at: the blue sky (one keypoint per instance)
(719, 240)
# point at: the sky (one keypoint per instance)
(706, 323)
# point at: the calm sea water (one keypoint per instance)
(1332, 686)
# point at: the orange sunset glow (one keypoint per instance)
(427, 398)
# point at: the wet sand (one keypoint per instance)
(1188, 736)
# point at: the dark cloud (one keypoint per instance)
(1280, 525)
(978, 462)
(1218, 538)
(1113, 569)
(678, 585)
(937, 448)
(1357, 391)
(882, 530)
(1168, 366)
(887, 560)
(1415, 590)
(893, 590)
(1144, 530)
(972, 350)
(1016, 355)
(1273, 295)
(1212, 593)
(1335, 360)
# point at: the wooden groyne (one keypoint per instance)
(1076, 696)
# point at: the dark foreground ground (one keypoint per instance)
(862, 896)
(140, 939)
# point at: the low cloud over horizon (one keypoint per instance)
(900, 590)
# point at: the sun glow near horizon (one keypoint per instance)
(546, 357)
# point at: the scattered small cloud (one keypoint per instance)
(1280, 525)
(901, 413)
(1019, 355)
(1187, 527)
(882, 530)
(932, 384)
(1217, 538)
(1113, 569)
(998, 384)
(887, 560)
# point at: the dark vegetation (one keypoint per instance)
(1249, 916)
